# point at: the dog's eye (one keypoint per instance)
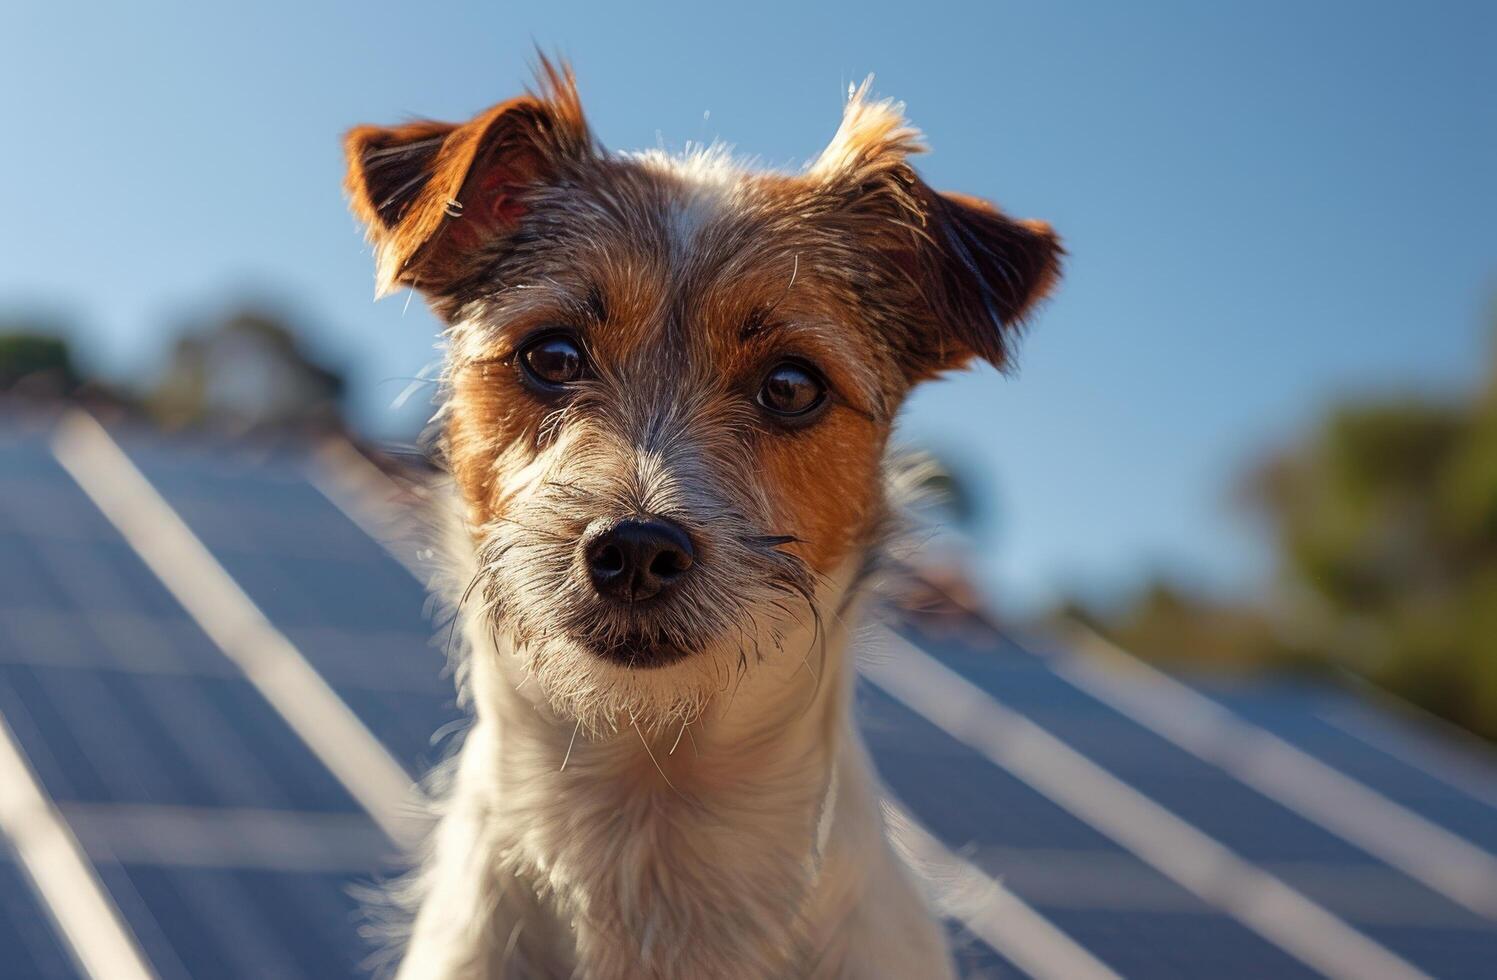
(552, 360)
(792, 390)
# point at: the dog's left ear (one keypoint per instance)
(438, 198)
(975, 271)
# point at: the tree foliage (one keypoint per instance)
(35, 361)
(1384, 520)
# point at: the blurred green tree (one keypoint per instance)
(36, 361)
(1386, 520)
(1385, 523)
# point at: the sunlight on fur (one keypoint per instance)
(665, 412)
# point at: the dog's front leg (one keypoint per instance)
(476, 920)
(455, 930)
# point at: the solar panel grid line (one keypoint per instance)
(990, 911)
(227, 837)
(1440, 859)
(1193, 859)
(195, 578)
(364, 494)
(85, 917)
(1448, 763)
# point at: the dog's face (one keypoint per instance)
(671, 381)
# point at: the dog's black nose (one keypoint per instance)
(636, 559)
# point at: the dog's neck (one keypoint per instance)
(726, 816)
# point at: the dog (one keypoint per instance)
(669, 387)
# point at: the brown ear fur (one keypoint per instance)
(975, 271)
(982, 271)
(434, 194)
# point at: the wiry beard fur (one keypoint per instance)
(750, 594)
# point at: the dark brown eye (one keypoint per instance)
(552, 360)
(792, 390)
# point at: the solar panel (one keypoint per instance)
(145, 710)
(1048, 857)
(1172, 945)
(31, 948)
(976, 959)
(227, 843)
(1404, 916)
(241, 922)
(355, 613)
(139, 730)
(1308, 717)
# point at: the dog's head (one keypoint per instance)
(671, 379)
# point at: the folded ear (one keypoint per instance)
(983, 271)
(439, 199)
(974, 271)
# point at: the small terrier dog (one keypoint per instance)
(669, 389)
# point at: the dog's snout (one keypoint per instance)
(637, 559)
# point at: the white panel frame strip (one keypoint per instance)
(992, 913)
(1424, 741)
(1291, 777)
(230, 618)
(1177, 849)
(86, 918)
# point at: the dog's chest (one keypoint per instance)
(691, 878)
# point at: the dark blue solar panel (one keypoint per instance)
(118, 697)
(202, 922)
(418, 728)
(24, 584)
(1294, 712)
(301, 558)
(356, 614)
(1459, 760)
(1450, 954)
(1401, 918)
(964, 799)
(1175, 946)
(176, 725)
(960, 796)
(1253, 826)
(976, 960)
(28, 945)
(61, 555)
(89, 604)
(105, 736)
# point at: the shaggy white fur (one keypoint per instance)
(750, 844)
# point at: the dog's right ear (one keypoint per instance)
(439, 199)
(976, 271)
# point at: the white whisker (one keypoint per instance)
(568, 757)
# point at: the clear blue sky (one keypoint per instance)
(1268, 205)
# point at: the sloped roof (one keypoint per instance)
(1082, 816)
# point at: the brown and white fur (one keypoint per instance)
(674, 788)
